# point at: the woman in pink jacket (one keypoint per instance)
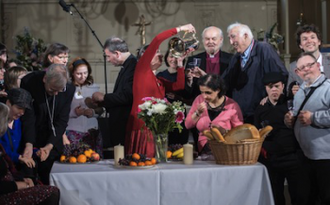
(212, 108)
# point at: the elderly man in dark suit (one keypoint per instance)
(213, 60)
(44, 124)
(119, 102)
(247, 68)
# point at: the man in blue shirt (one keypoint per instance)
(247, 68)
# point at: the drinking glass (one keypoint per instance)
(197, 62)
(290, 105)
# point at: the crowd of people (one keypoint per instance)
(42, 111)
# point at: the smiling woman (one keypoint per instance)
(83, 124)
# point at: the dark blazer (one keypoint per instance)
(119, 102)
(224, 62)
(245, 85)
(36, 124)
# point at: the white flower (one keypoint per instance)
(145, 105)
(159, 108)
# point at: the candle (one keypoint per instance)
(118, 153)
(188, 157)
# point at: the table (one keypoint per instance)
(171, 183)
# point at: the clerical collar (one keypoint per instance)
(212, 56)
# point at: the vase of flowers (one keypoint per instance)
(161, 117)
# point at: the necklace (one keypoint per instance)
(217, 108)
(78, 93)
(51, 114)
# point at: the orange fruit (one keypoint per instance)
(168, 154)
(62, 158)
(141, 164)
(148, 163)
(88, 153)
(82, 158)
(73, 160)
(133, 164)
(136, 156)
(153, 160)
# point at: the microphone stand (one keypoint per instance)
(104, 56)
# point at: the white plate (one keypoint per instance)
(94, 162)
(133, 167)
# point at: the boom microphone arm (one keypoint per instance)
(66, 7)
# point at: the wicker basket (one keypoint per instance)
(242, 153)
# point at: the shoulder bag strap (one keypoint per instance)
(307, 97)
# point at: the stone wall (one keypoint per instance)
(46, 19)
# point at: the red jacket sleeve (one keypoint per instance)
(175, 86)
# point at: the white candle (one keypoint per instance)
(188, 155)
(118, 153)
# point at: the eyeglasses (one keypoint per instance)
(308, 65)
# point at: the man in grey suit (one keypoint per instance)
(309, 40)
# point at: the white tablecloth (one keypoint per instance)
(173, 183)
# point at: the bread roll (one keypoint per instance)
(265, 131)
(241, 132)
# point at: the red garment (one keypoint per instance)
(213, 64)
(146, 84)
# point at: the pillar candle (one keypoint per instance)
(118, 153)
(188, 157)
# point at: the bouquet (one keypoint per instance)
(160, 116)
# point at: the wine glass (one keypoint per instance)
(290, 105)
(197, 62)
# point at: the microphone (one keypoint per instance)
(65, 6)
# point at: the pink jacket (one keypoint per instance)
(228, 118)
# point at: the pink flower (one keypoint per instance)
(179, 117)
(147, 99)
(139, 110)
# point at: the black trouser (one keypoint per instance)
(45, 167)
(319, 173)
(294, 168)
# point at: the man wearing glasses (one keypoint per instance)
(308, 40)
(311, 122)
(44, 125)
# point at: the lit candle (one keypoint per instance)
(118, 153)
(188, 157)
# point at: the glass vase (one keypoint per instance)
(161, 141)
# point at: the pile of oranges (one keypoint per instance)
(137, 160)
(87, 156)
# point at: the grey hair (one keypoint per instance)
(243, 29)
(57, 74)
(116, 44)
(219, 31)
(4, 114)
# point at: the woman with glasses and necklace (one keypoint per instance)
(56, 53)
(83, 125)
